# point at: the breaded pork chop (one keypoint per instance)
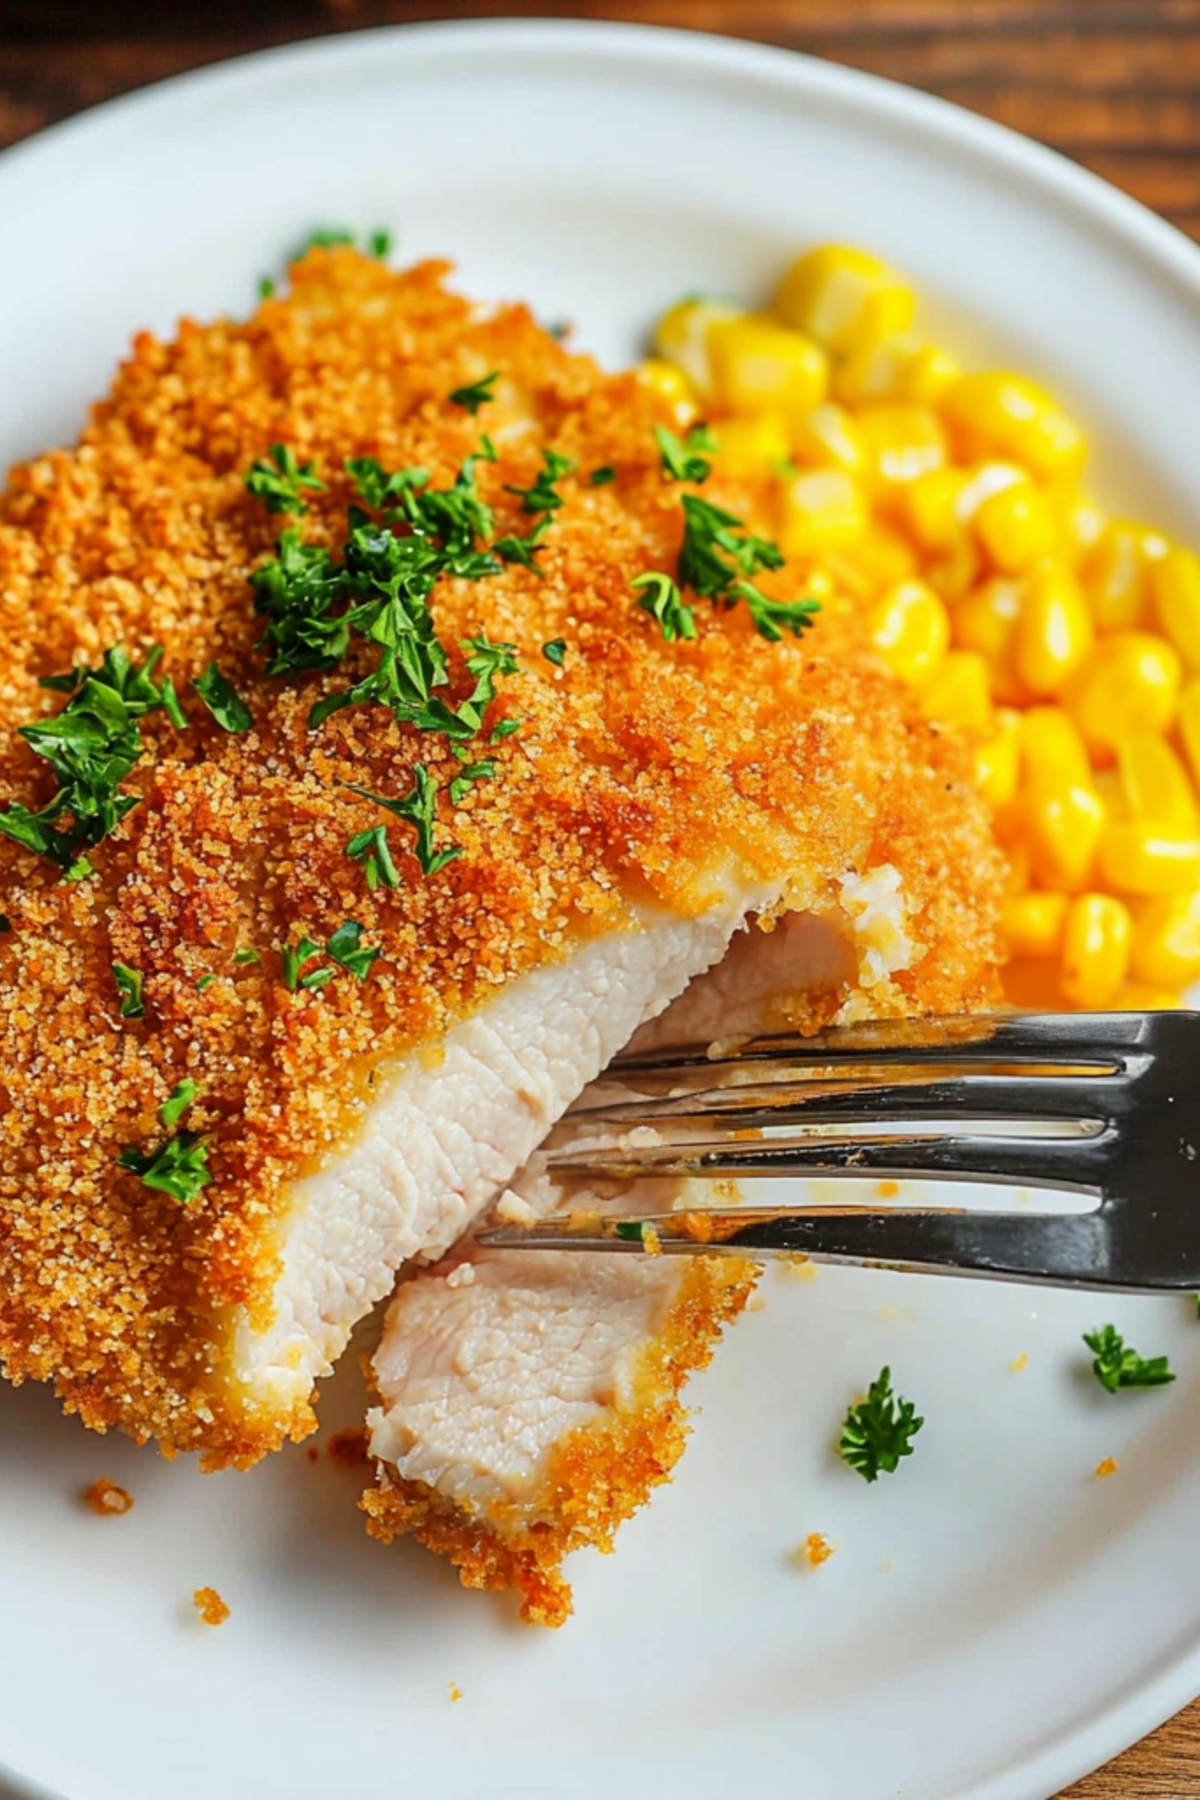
(352, 1110)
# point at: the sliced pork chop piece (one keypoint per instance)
(530, 1401)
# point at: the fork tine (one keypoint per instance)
(969, 1038)
(820, 1103)
(1075, 1163)
(1072, 1250)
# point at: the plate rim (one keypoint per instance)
(1076, 1750)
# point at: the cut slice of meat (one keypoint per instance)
(530, 1401)
(625, 801)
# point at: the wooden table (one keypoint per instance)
(1113, 83)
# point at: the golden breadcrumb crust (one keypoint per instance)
(597, 1476)
(640, 766)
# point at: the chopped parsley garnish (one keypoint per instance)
(330, 237)
(555, 651)
(601, 477)
(277, 480)
(204, 982)
(630, 1231)
(717, 559)
(297, 593)
(878, 1431)
(466, 779)
(92, 746)
(246, 954)
(420, 810)
(681, 460)
(1115, 1366)
(294, 959)
(371, 848)
(266, 287)
(129, 986)
(660, 597)
(5, 924)
(477, 393)
(179, 1167)
(345, 947)
(543, 496)
(514, 549)
(176, 1103)
(223, 700)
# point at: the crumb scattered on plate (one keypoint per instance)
(454, 1690)
(349, 1448)
(210, 1606)
(1019, 1362)
(815, 1550)
(1109, 1466)
(105, 1496)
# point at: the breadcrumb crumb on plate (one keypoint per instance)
(105, 1497)
(210, 1606)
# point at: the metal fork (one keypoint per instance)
(1116, 1097)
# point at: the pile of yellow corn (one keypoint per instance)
(1066, 642)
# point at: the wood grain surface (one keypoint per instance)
(1112, 83)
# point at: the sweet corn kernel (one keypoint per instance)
(879, 370)
(1033, 923)
(1011, 416)
(824, 509)
(671, 385)
(682, 338)
(998, 760)
(910, 628)
(928, 509)
(1128, 682)
(1062, 823)
(982, 482)
(902, 442)
(1016, 527)
(927, 375)
(1116, 573)
(828, 437)
(1175, 587)
(986, 620)
(1052, 748)
(752, 445)
(844, 298)
(1154, 783)
(874, 562)
(1139, 856)
(756, 364)
(1054, 630)
(957, 692)
(956, 573)
(1081, 525)
(1095, 950)
(1189, 725)
(1166, 941)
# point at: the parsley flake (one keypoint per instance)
(476, 393)
(602, 476)
(277, 480)
(204, 983)
(379, 243)
(660, 597)
(371, 848)
(347, 948)
(129, 986)
(179, 1167)
(717, 558)
(543, 496)
(92, 745)
(176, 1104)
(514, 549)
(1116, 1366)
(681, 459)
(246, 954)
(294, 959)
(555, 651)
(223, 700)
(466, 779)
(878, 1431)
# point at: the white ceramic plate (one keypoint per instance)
(995, 1621)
